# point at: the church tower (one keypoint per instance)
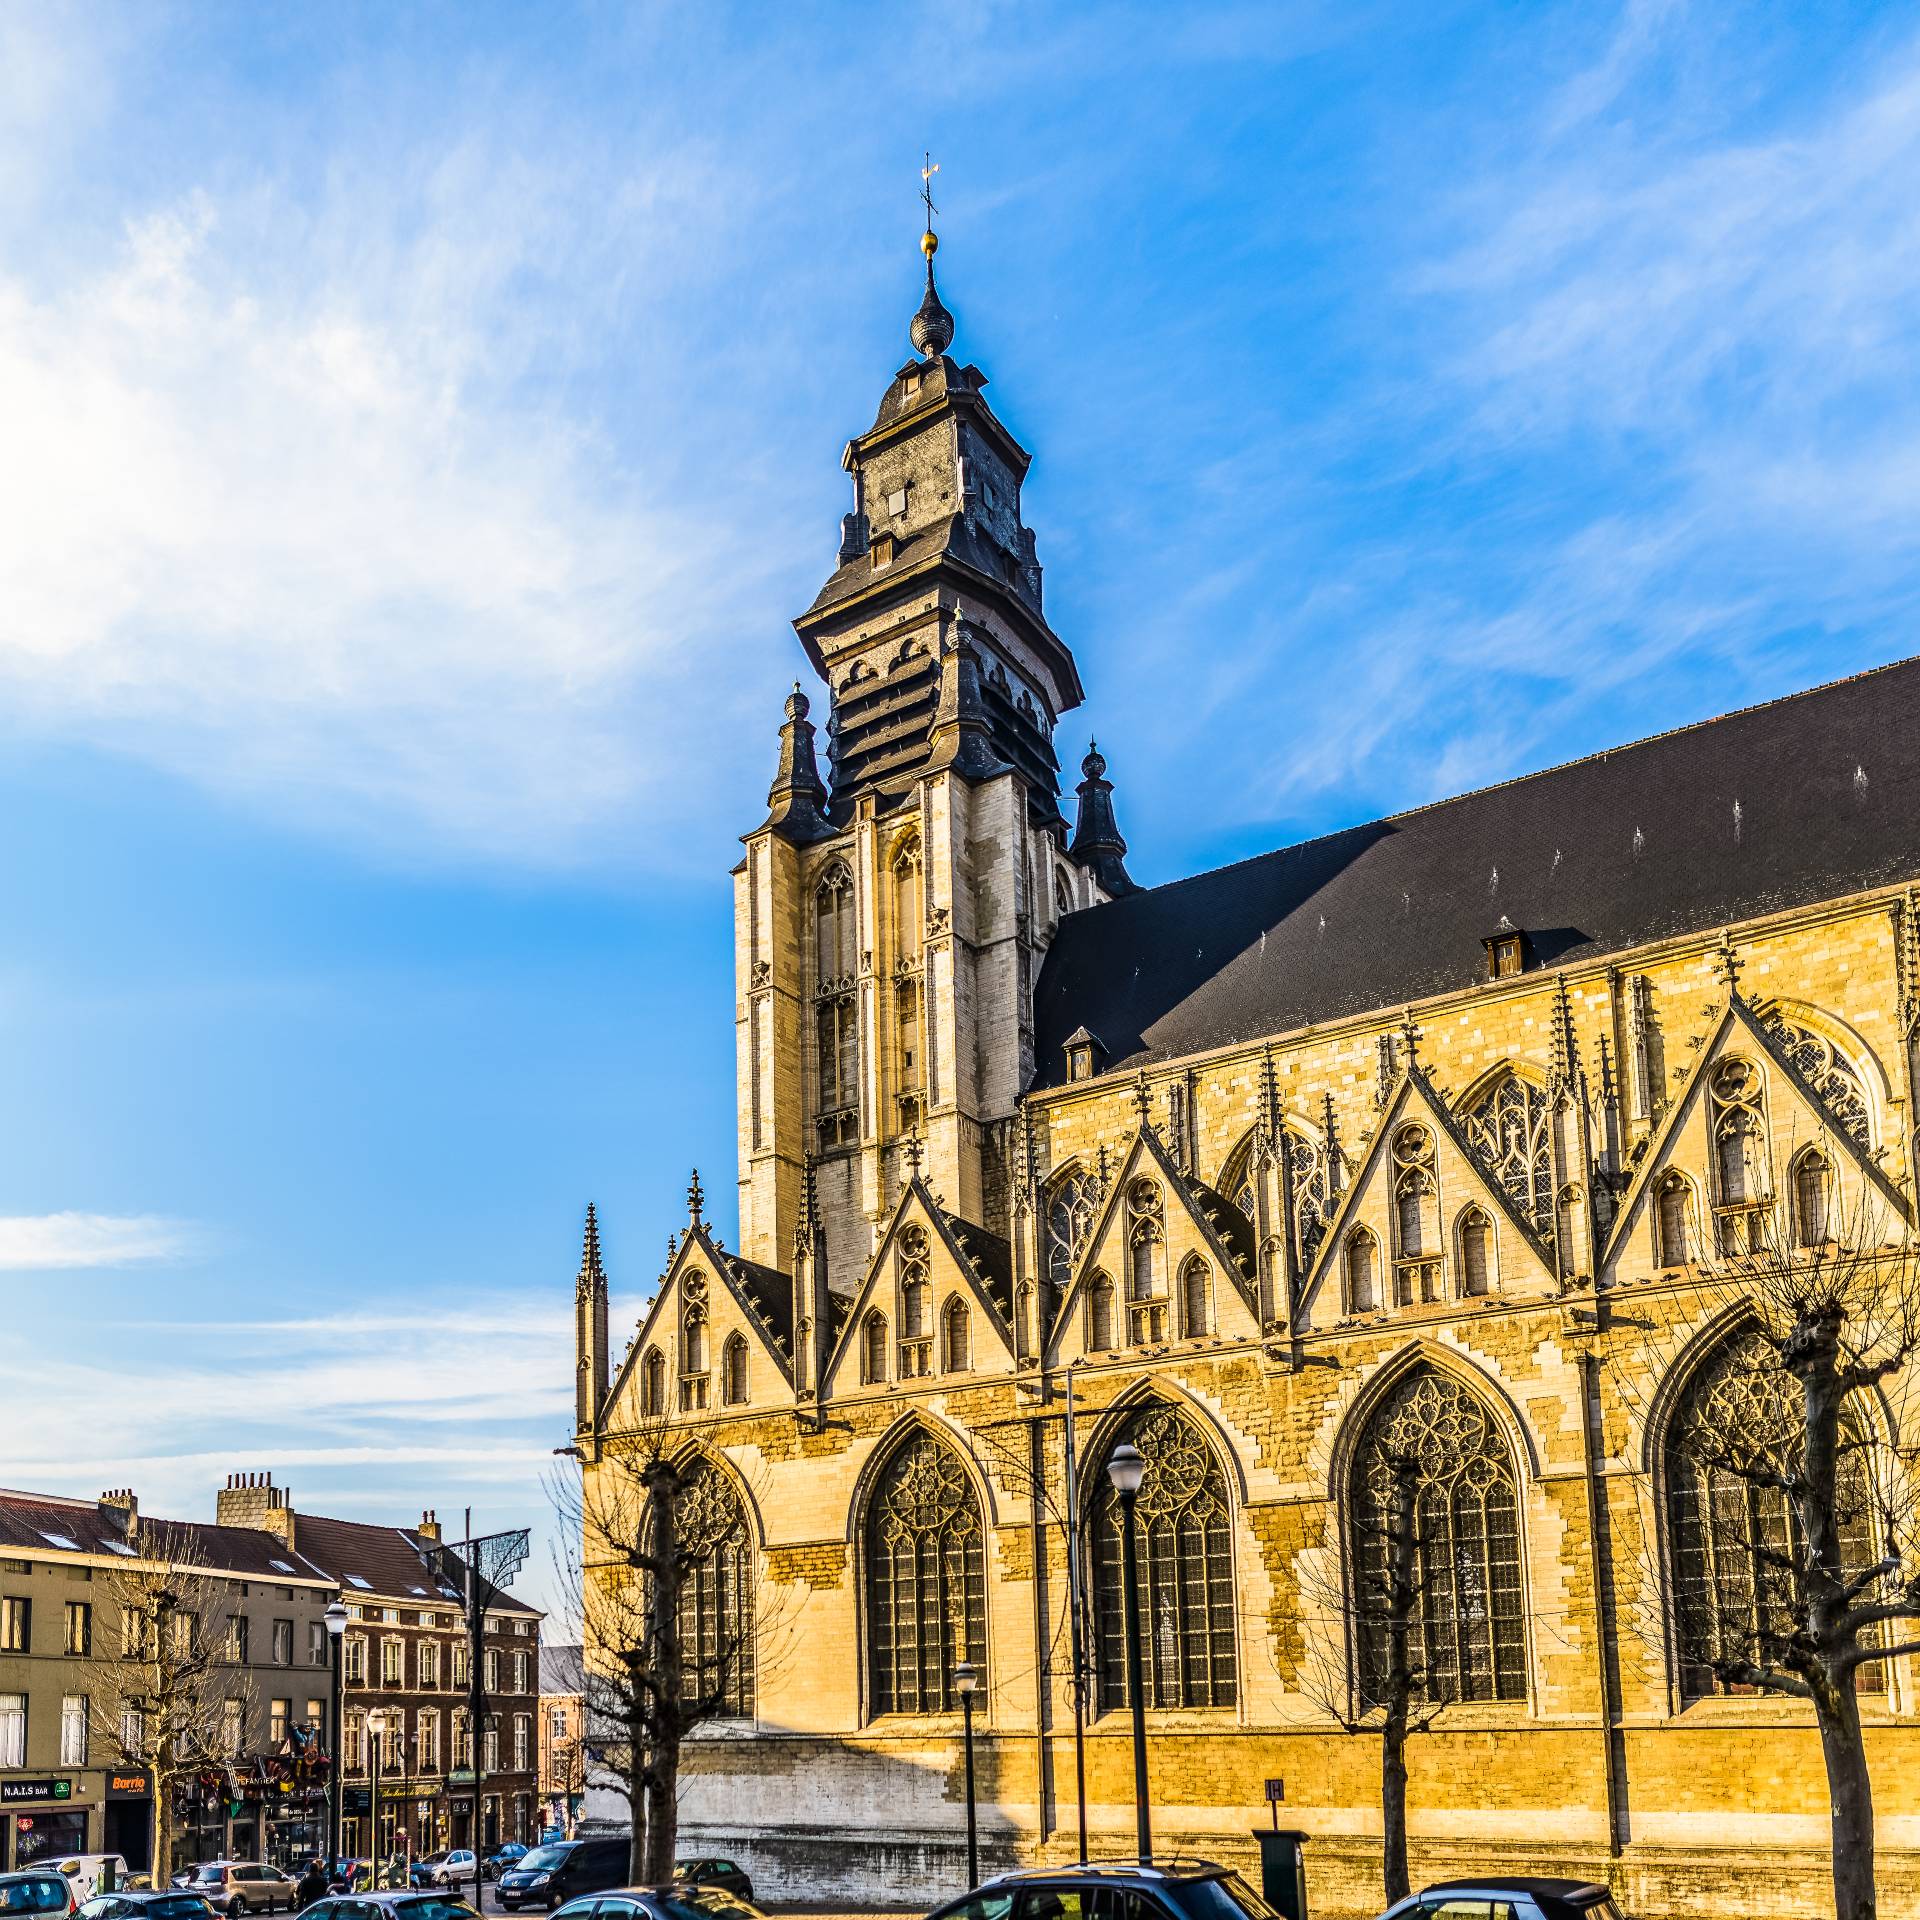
(893, 907)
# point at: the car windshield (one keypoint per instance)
(47, 1895)
(1218, 1897)
(175, 1906)
(433, 1906)
(545, 1859)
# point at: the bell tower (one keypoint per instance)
(892, 909)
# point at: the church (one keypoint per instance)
(1430, 1123)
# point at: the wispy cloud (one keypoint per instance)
(50, 1242)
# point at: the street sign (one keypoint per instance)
(1276, 1789)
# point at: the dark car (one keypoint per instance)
(394, 1904)
(239, 1887)
(163, 1903)
(1505, 1897)
(1172, 1889)
(564, 1869)
(498, 1859)
(709, 1870)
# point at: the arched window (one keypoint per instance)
(1071, 1200)
(1308, 1192)
(911, 1057)
(1416, 1215)
(1195, 1291)
(1100, 1315)
(1827, 1071)
(1062, 893)
(1673, 1221)
(873, 1348)
(837, 1037)
(733, 1371)
(1510, 1128)
(693, 1340)
(1146, 1272)
(693, 1346)
(1743, 1192)
(1737, 1431)
(916, 1307)
(909, 913)
(956, 1337)
(1466, 1638)
(1813, 1199)
(834, 929)
(716, 1611)
(1476, 1254)
(653, 1383)
(926, 1579)
(1185, 1569)
(1363, 1273)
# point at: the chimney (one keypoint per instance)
(429, 1527)
(122, 1500)
(252, 1500)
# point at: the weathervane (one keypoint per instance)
(928, 168)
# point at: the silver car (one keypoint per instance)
(1503, 1897)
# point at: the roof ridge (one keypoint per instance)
(1520, 779)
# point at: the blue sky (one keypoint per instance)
(418, 427)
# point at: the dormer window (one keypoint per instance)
(910, 387)
(881, 550)
(1506, 949)
(1082, 1051)
(897, 502)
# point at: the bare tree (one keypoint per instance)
(671, 1625)
(1793, 1556)
(168, 1697)
(1410, 1594)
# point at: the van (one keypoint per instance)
(91, 1873)
(563, 1868)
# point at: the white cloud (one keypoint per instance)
(49, 1242)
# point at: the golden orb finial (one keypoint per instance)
(929, 243)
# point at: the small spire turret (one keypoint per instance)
(592, 1278)
(797, 799)
(1097, 844)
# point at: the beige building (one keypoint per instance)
(1425, 1124)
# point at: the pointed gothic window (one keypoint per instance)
(909, 911)
(916, 1309)
(716, 1610)
(912, 1066)
(1466, 1618)
(653, 1383)
(1363, 1273)
(1195, 1292)
(956, 1337)
(1476, 1254)
(1416, 1207)
(1071, 1200)
(926, 1579)
(1673, 1211)
(1736, 1435)
(1743, 1191)
(1510, 1128)
(1146, 1275)
(1185, 1546)
(1813, 1199)
(1100, 1315)
(833, 923)
(873, 1349)
(733, 1371)
(693, 1357)
(839, 1064)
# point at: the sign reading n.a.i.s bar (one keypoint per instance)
(14, 1793)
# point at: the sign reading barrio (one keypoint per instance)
(135, 1783)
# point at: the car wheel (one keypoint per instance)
(237, 1909)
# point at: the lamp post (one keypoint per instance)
(1126, 1468)
(335, 1620)
(966, 1683)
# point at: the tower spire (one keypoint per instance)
(932, 328)
(798, 795)
(1096, 834)
(593, 1277)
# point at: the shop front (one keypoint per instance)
(128, 1827)
(41, 1818)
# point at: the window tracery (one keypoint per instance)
(716, 1608)
(916, 1290)
(1185, 1567)
(1071, 1202)
(1416, 1214)
(1735, 1437)
(1827, 1070)
(1510, 1128)
(1743, 1197)
(926, 1579)
(1468, 1638)
(1146, 1274)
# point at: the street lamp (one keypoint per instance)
(1126, 1468)
(966, 1683)
(335, 1620)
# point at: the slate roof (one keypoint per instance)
(388, 1562)
(38, 1523)
(992, 1260)
(561, 1670)
(770, 1293)
(1807, 798)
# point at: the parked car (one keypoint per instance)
(136, 1903)
(508, 1854)
(708, 1870)
(394, 1904)
(1500, 1897)
(680, 1901)
(564, 1869)
(1172, 1889)
(36, 1891)
(91, 1873)
(239, 1887)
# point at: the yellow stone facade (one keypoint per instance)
(1585, 1325)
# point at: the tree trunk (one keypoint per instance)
(1837, 1708)
(1393, 1805)
(162, 1868)
(1402, 1598)
(663, 1814)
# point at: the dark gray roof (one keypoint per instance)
(1807, 798)
(560, 1670)
(36, 1523)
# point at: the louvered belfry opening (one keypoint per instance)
(926, 1580)
(1186, 1571)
